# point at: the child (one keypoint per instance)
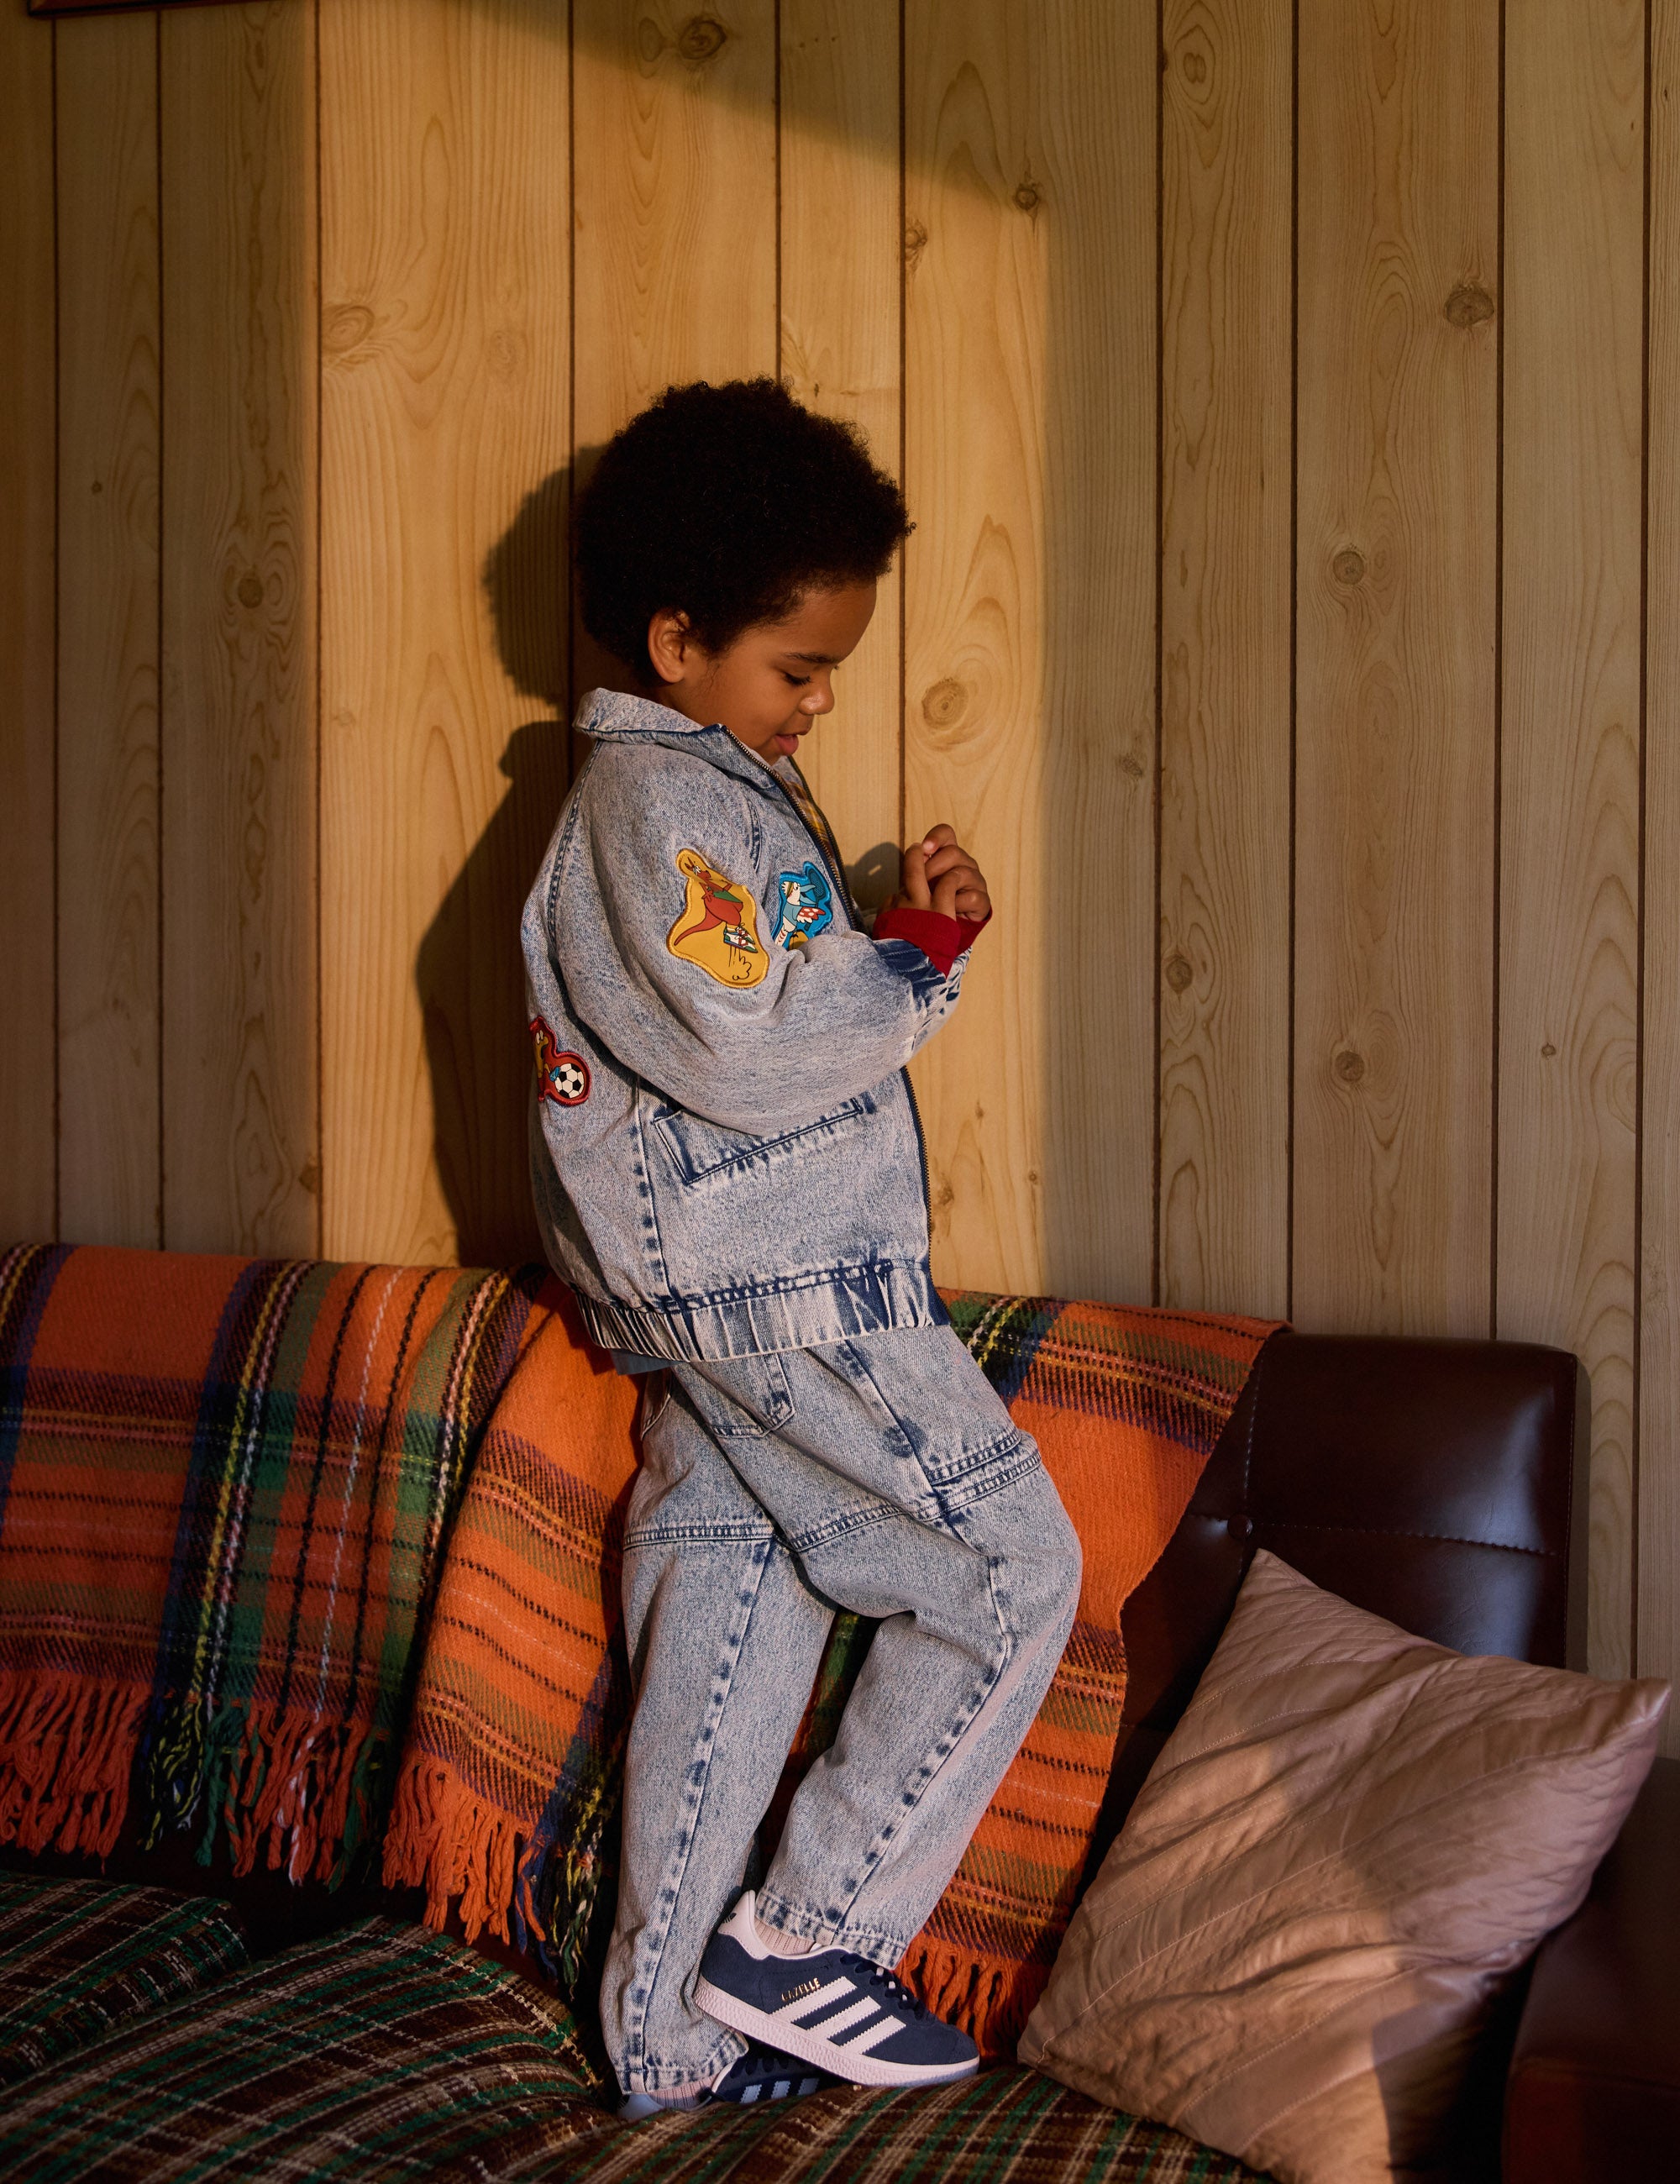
(728, 1167)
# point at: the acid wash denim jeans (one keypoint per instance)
(880, 1474)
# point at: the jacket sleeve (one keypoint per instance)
(821, 1022)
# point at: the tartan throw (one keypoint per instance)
(78, 1958)
(383, 2053)
(223, 1486)
(510, 1778)
(507, 1796)
(1007, 2126)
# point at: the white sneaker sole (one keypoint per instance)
(812, 2047)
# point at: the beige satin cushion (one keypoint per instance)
(1350, 1842)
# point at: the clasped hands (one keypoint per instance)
(938, 874)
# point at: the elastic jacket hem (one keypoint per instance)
(796, 1313)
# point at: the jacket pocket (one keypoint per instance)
(704, 1152)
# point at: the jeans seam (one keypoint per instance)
(963, 1491)
(696, 1536)
(640, 1995)
(844, 1527)
(884, 1839)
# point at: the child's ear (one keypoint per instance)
(670, 644)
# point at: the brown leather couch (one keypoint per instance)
(1441, 1485)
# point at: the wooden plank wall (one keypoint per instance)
(1287, 394)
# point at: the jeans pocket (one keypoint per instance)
(743, 1398)
(943, 1414)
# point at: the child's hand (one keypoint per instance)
(940, 875)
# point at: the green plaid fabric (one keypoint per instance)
(1007, 2126)
(78, 1958)
(384, 2053)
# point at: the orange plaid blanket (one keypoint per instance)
(507, 1792)
(224, 1484)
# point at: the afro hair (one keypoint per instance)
(727, 505)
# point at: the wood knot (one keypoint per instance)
(1468, 305)
(700, 37)
(346, 326)
(942, 703)
(1178, 973)
(1132, 765)
(506, 354)
(1348, 566)
(1349, 1066)
(1027, 194)
(97, 487)
(1549, 1050)
(1195, 68)
(915, 241)
(249, 589)
(309, 1177)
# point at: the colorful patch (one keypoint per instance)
(719, 928)
(804, 905)
(561, 1075)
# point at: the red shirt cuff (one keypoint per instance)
(941, 939)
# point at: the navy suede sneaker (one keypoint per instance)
(767, 2074)
(762, 2074)
(830, 2007)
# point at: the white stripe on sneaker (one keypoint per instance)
(831, 2027)
(874, 2036)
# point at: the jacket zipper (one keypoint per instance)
(839, 878)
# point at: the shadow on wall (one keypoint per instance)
(468, 973)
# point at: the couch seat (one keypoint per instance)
(78, 1959)
(387, 2052)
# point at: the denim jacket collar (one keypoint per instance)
(617, 716)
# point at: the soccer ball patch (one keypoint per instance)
(561, 1075)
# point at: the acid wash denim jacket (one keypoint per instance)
(726, 1152)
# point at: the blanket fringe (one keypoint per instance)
(278, 1780)
(443, 1838)
(67, 1746)
(540, 1889)
(989, 1998)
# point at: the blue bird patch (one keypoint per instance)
(804, 905)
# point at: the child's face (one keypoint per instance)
(772, 685)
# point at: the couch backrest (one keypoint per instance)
(1440, 1484)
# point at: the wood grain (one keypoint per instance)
(1399, 250)
(1029, 622)
(241, 1150)
(1569, 938)
(1655, 1515)
(108, 457)
(1226, 601)
(444, 341)
(675, 201)
(28, 1057)
(842, 229)
(673, 213)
